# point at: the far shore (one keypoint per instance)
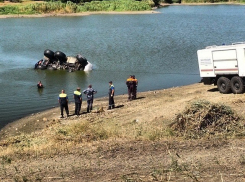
(153, 11)
(76, 14)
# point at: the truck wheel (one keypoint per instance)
(224, 85)
(237, 85)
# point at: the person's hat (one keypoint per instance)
(110, 81)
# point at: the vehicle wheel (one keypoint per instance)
(237, 85)
(49, 54)
(60, 56)
(224, 85)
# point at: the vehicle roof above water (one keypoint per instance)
(223, 47)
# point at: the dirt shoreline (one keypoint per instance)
(76, 14)
(38, 121)
(122, 158)
(157, 99)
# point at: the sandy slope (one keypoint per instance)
(169, 159)
(164, 104)
(160, 103)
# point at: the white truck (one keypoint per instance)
(223, 66)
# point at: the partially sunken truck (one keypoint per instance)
(223, 66)
(59, 61)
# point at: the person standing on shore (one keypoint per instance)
(78, 101)
(63, 101)
(111, 95)
(90, 97)
(130, 84)
(135, 85)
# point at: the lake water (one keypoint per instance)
(160, 49)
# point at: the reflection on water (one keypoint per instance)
(160, 49)
(40, 91)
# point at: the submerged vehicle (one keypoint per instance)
(59, 61)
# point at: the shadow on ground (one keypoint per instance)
(213, 90)
(119, 106)
(139, 98)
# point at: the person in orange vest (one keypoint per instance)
(135, 85)
(130, 85)
(63, 101)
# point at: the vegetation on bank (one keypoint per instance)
(73, 7)
(208, 1)
(78, 6)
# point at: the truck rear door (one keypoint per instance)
(205, 62)
(225, 62)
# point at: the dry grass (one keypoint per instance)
(60, 138)
(204, 119)
(132, 142)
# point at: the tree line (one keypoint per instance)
(155, 2)
(76, 6)
(64, 6)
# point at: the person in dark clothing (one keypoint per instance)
(111, 95)
(63, 101)
(135, 85)
(130, 84)
(38, 63)
(78, 101)
(39, 85)
(90, 97)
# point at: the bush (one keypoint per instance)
(204, 1)
(157, 2)
(16, 1)
(47, 7)
(203, 118)
(114, 5)
(9, 10)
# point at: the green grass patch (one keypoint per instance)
(70, 7)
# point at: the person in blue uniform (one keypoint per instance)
(90, 97)
(78, 101)
(63, 101)
(111, 96)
